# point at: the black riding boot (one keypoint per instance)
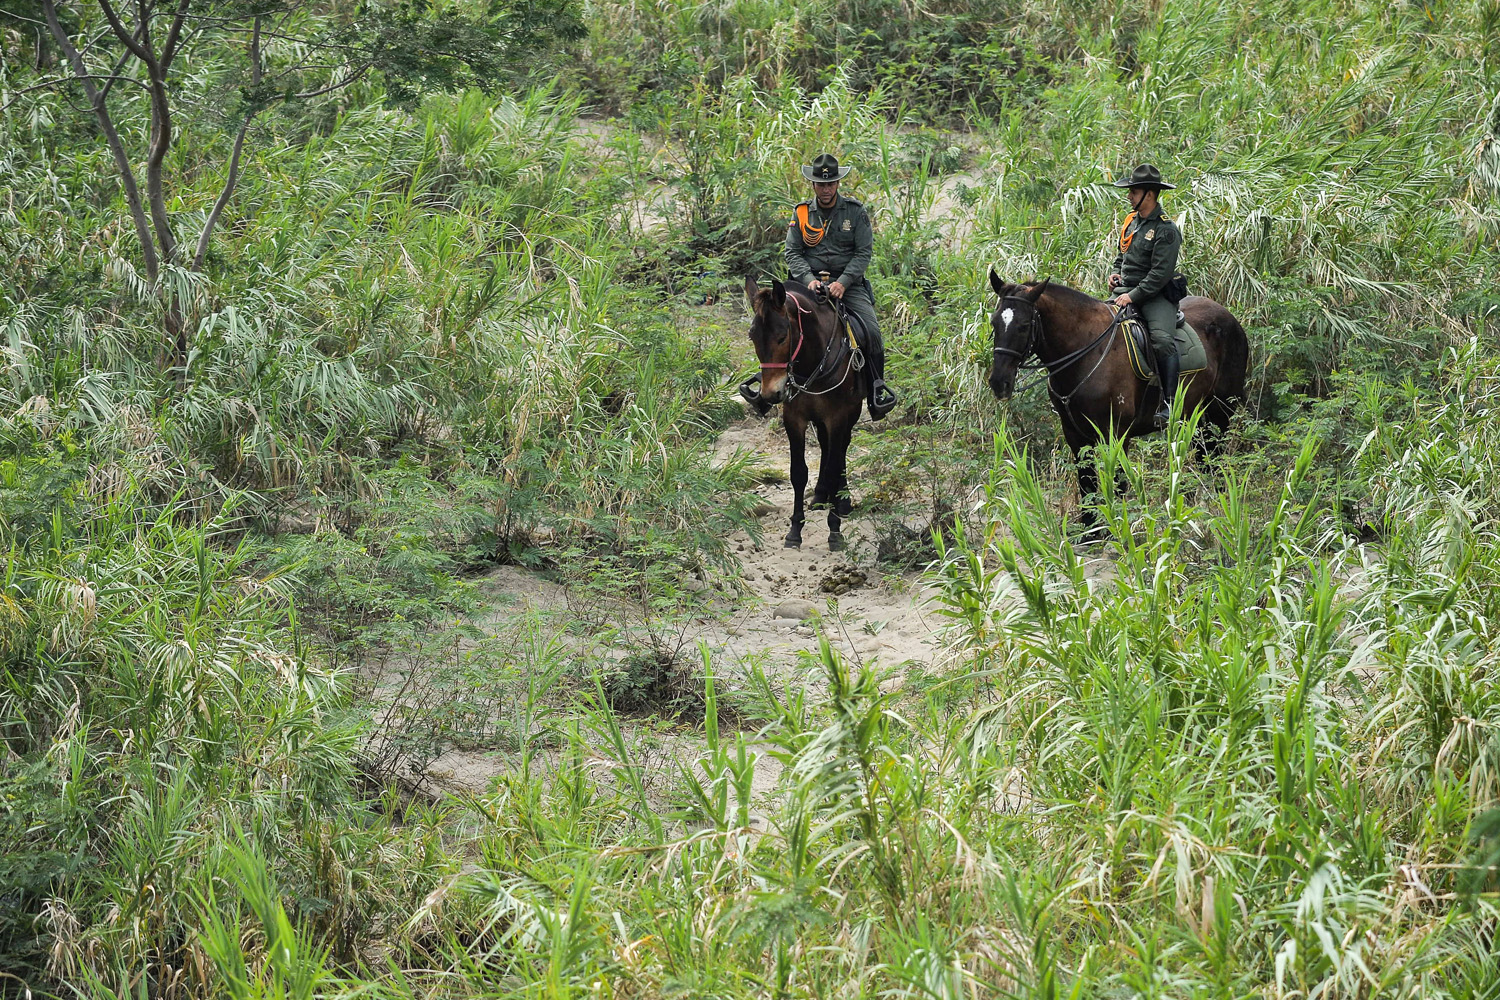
(1168, 367)
(750, 390)
(882, 399)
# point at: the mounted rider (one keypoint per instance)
(1149, 245)
(828, 247)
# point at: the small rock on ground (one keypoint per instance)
(796, 609)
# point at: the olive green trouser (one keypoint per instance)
(1161, 320)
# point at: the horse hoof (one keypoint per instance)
(835, 541)
(792, 543)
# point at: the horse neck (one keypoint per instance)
(1066, 327)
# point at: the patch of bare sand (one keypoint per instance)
(795, 598)
(948, 204)
(798, 595)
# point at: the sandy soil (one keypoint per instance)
(864, 615)
(795, 597)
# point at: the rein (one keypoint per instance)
(1051, 368)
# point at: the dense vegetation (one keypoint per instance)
(439, 327)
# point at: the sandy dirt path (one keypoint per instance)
(788, 601)
(864, 613)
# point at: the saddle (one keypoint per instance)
(1143, 359)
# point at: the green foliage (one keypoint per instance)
(1245, 748)
(156, 696)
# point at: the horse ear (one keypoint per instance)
(997, 284)
(750, 289)
(778, 293)
(1035, 291)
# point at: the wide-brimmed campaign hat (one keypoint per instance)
(825, 167)
(1145, 176)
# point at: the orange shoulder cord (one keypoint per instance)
(1127, 237)
(811, 236)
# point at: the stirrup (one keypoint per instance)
(882, 401)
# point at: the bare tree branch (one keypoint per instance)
(161, 128)
(111, 136)
(133, 39)
(231, 178)
(337, 85)
(169, 50)
(67, 79)
(119, 65)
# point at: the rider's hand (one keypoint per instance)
(1123, 301)
(815, 286)
(836, 289)
(1115, 279)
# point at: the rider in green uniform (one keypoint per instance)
(831, 235)
(1149, 245)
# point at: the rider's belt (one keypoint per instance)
(811, 235)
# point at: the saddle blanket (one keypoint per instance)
(1143, 360)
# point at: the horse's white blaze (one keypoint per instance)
(1006, 315)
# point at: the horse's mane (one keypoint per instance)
(806, 294)
(1064, 295)
(1072, 295)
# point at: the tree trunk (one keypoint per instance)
(111, 136)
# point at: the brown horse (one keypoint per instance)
(1088, 373)
(808, 365)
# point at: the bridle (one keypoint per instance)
(795, 388)
(801, 338)
(1037, 332)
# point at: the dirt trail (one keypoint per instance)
(795, 597)
(886, 620)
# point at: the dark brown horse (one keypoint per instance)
(1088, 374)
(808, 365)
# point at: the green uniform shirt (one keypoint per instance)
(1149, 264)
(845, 250)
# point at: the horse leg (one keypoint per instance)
(796, 436)
(820, 495)
(836, 460)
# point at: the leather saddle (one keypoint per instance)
(1143, 359)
